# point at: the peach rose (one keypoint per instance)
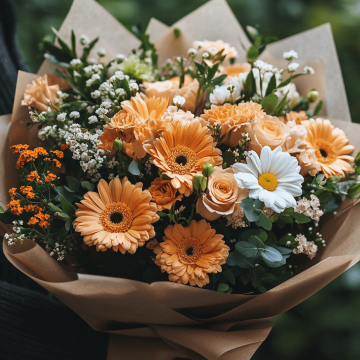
(163, 194)
(233, 119)
(38, 91)
(308, 162)
(298, 135)
(298, 117)
(170, 89)
(267, 131)
(221, 196)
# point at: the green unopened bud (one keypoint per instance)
(118, 145)
(208, 169)
(313, 95)
(200, 182)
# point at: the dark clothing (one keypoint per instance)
(34, 325)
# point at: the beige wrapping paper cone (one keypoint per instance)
(166, 320)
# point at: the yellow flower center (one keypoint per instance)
(116, 217)
(324, 152)
(268, 181)
(189, 250)
(181, 159)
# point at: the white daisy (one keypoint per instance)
(273, 178)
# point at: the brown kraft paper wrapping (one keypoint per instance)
(166, 320)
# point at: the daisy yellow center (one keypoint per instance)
(116, 218)
(324, 152)
(189, 250)
(268, 181)
(181, 159)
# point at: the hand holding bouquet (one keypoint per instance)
(205, 170)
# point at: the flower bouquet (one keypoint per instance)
(177, 192)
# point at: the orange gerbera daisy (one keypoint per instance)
(181, 150)
(233, 119)
(145, 108)
(189, 254)
(118, 217)
(331, 147)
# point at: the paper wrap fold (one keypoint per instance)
(167, 320)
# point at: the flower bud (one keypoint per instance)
(208, 169)
(313, 95)
(200, 182)
(118, 145)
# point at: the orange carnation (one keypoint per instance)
(233, 119)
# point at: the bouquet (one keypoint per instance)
(152, 184)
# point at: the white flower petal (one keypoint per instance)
(254, 193)
(288, 198)
(290, 178)
(243, 168)
(254, 163)
(265, 158)
(292, 189)
(246, 181)
(267, 197)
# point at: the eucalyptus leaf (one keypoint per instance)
(300, 218)
(73, 183)
(243, 261)
(223, 287)
(87, 185)
(229, 276)
(270, 254)
(134, 168)
(265, 222)
(246, 248)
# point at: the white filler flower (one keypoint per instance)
(273, 178)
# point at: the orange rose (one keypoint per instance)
(233, 119)
(163, 194)
(123, 121)
(221, 196)
(170, 89)
(38, 91)
(267, 131)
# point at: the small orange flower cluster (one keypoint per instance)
(50, 177)
(12, 193)
(28, 191)
(15, 206)
(34, 176)
(26, 155)
(40, 218)
(58, 153)
(57, 163)
(64, 146)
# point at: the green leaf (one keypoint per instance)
(249, 86)
(249, 209)
(268, 278)
(222, 288)
(284, 250)
(242, 261)
(1, 210)
(285, 239)
(229, 276)
(334, 179)
(68, 189)
(271, 85)
(54, 207)
(261, 234)
(134, 168)
(68, 196)
(73, 44)
(87, 185)
(281, 105)
(284, 83)
(252, 53)
(300, 218)
(257, 242)
(68, 224)
(269, 103)
(246, 248)
(73, 183)
(68, 208)
(318, 108)
(354, 190)
(62, 43)
(265, 222)
(270, 254)
(218, 80)
(275, 264)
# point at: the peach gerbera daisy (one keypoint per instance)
(181, 150)
(331, 147)
(118, 217)
(189, 254)
(145, 108)
(107, 139)
(233, 119)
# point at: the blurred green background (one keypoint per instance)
(327, 325)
